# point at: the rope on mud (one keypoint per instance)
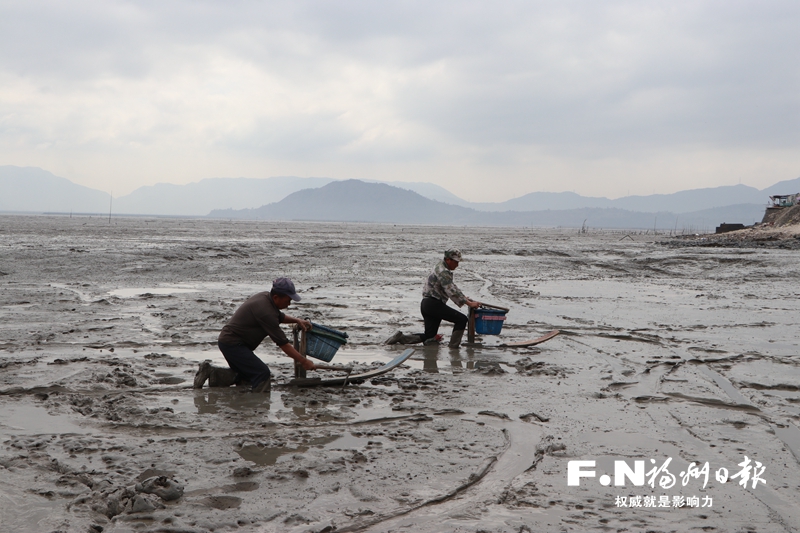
(474, 478)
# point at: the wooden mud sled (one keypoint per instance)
(301, 380)
(354, 379)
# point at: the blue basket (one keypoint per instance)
(322, 343)
(489, 321)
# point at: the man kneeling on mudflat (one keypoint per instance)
(260, 316)
(439, 288)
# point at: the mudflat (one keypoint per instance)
(668, 355)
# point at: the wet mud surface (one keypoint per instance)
(666, 352)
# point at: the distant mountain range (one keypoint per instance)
(679, 202)
(358, 201)
(30, 189)
(35, 190)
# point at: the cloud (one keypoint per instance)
(452, 92)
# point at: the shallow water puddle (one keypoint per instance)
(33, 420)
(210, 401)
(348, 441)
(266, 455)
(20, 512)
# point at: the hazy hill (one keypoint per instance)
(198, 198)
(695, 199)
(356, 201)
(428, 190)
(679, 202)
(783, 187)
(36, 190)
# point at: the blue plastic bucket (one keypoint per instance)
(322, 342)
(489, 321)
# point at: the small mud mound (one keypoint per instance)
(528, 367)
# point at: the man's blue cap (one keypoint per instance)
(286, 287)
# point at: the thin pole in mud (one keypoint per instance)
(110, 201)
(299, 343)
(296, 345)
(471, 326)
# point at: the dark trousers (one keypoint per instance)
(434, 311)
(244, 362)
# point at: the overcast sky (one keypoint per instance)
(491, 100)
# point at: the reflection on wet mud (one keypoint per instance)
(210, 401)
(430, 356)
(464, 358)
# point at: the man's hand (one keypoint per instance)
(473, 304)
(298, 358)
(304, 324)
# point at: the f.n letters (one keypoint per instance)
(622, 473)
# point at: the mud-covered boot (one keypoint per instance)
(411, 338)
(455, 339)
(202, 374)
(222, 377)
(264, 387)
(394, 339)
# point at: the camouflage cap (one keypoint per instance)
(454, 254)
